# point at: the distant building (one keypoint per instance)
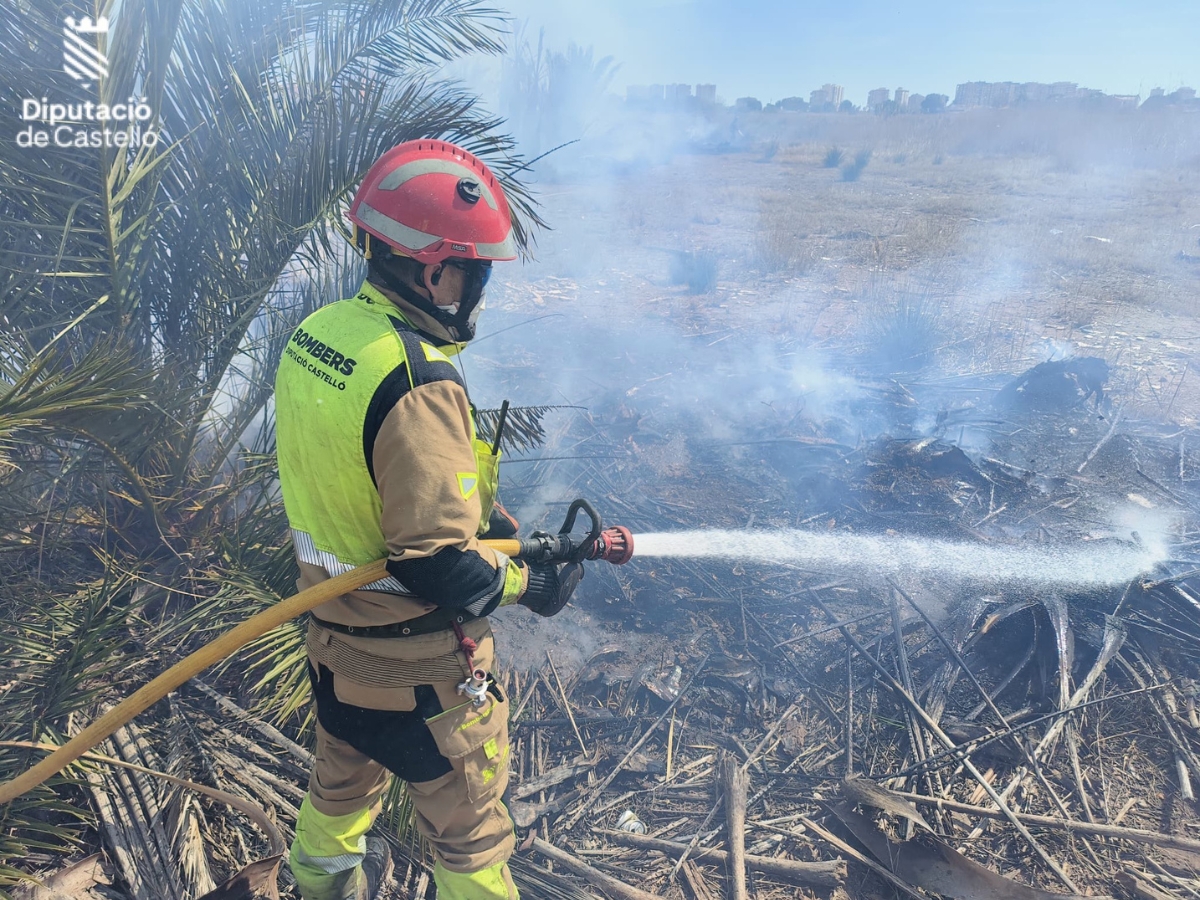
(915, 101)
(901, 98)
(1126, 101)
(1008, 93)
(877, 98)
(835, 93)
(644, 93)
(637, 93)
(1003, 93)
(1160, 99)
(677, 93)
(985, 93)
(706, 93)
(969, 94)
(1035, 92)
(748, 104)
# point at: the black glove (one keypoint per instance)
(551, 586)
(501, 524)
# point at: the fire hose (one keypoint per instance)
(614, 545)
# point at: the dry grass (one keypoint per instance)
(783, 239)
(997, 211)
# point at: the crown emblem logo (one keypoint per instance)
(85, 26)
(81, 60)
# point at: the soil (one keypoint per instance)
(862, 361)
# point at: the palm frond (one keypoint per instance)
(522, 426)
(145, 292)
(62, 654)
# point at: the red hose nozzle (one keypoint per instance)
(614, 545)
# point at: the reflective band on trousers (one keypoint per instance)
(327, 852)
(331, 865)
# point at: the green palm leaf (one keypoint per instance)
(145, 293)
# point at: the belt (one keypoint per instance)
(430, 623)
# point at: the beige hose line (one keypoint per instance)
(234, 639)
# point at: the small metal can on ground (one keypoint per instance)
(631, 823)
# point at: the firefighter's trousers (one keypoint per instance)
(454, 757)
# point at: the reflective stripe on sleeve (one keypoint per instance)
(480, 605)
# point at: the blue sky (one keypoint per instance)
(773, 48)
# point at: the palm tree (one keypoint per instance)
(577, 84)
(145, 294)
(548, 97)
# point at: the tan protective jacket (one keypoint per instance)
(422, 447)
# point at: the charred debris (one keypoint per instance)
(777, 732)
(796, 734)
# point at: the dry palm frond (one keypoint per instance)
(145, 294)
(133, 827)
(61, 655)
(534, 881)
(522, 426)
(399, 817)
(186, 822)
(137, 802)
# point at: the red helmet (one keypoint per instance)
(432, 200)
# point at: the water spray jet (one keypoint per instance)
(839, 552)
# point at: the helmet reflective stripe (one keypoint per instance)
(307, 552)
(415, 240)
(395, 231)
(432, 201)
(496, 251)
(403, 173)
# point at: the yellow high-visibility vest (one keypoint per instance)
(332, 369)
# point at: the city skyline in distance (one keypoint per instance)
(969, 95)
(773, 49)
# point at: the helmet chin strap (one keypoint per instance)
(461, 324)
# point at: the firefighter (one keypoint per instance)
(378, 457)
